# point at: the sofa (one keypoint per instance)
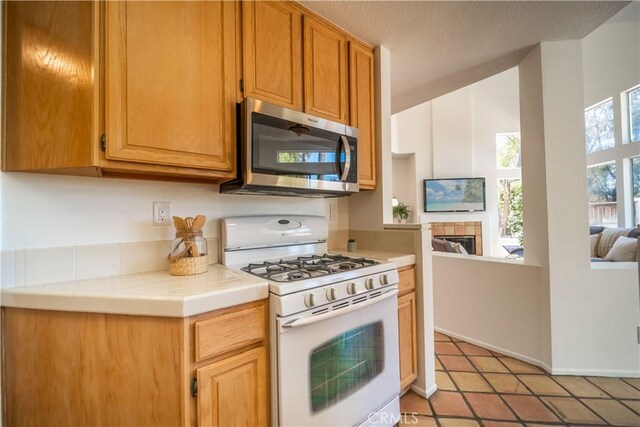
(613, 244)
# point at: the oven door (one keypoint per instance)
(339, 367)
(286, 148)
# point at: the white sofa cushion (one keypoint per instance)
(608, 238)
(595, 238)
(625, 249)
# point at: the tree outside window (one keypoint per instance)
(635, 169)
(510, 208)
(601, 185)
(599, 126)
(634, 114)
(508, 153)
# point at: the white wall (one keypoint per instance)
(40, 211)
(504, 301)
(454, 136)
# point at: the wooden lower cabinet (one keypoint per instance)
(234, 391)
(407, 333)
(82, 369)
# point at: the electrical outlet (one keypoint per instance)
(161, 213)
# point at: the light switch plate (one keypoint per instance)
(333, 212)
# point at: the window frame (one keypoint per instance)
(627, 113)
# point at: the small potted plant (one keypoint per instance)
(401, 212)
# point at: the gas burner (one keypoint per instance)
(306, 267)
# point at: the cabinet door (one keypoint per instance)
(171, 83)
(325, 71)
(362, 112)
(234, 391)
(407, 337)
(273, 52)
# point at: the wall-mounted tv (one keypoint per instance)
(454, 195)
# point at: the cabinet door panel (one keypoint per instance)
(233, 391)
(362, 112)
(171, 75)
(325, 71)
(407, 337)
(273, 52)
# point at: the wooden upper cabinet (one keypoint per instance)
(273, 52)
(50, 95)
(171, 83)
(325, 71)
(362, 111)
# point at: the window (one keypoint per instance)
(508, 150)
(601, 185)
(510, 208)
(599, 125)
(634, 114)
(635, 177)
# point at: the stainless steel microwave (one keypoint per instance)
(289, 153)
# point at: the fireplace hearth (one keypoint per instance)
(460, 230)
(467, 242)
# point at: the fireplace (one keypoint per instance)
(468, 242)
(460, 230)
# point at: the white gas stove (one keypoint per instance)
(333, 319)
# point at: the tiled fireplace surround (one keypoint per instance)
(459, 228)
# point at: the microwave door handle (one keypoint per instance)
(304, 321)
(347, 158)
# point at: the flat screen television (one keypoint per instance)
(454, 195)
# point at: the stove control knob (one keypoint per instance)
(331, 294)
(310, 300)
(384, 280)
(351, 288)
(369, 283)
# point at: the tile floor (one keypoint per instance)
(478, 387)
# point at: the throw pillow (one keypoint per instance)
(608, 238)
(459, 249)
(625, 249)
(594, 244)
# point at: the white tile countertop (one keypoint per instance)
(148, 294)
(401, 259)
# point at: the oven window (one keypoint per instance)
(345, 363)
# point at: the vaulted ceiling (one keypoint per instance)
(440, 46)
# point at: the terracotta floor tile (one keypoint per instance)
(446, 348)
(530, 408)
(439, 365)
(633, 404)
(473, 350)
(518, 367)
(417, 421)
(506, 383)
(579, 386)
(496, 354)
(616, 387)
(613, 412)
(443, 381)
(470, 381)
(500, 424)
(449, 403)
(440, 337)
(488, 364)
(542, 385)
(412, 403)
(633, 381)
(489, 406)
(456, 363)
(457, 422)
(572, 411)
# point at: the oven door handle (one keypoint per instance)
(304, 321)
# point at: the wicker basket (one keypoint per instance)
(187, 266)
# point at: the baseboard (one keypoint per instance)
(501, 350)
(424, 393)
(596, 373)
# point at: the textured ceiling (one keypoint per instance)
(440, 46)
